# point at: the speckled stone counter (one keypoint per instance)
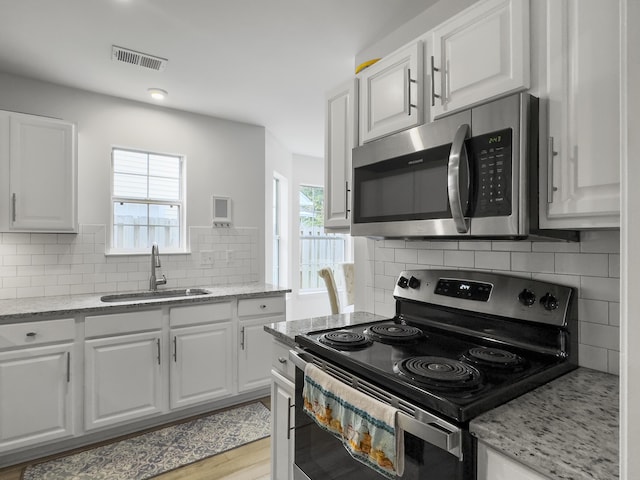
(36, 308)
(286, 331)
(566, 429)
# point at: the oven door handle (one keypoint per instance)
(427, 427)
(458, 157)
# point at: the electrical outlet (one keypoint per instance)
(207, 257)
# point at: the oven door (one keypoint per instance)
(434, 448)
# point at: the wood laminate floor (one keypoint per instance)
(248, 462)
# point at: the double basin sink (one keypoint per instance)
(154, 295)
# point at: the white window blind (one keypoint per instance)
(147, 201)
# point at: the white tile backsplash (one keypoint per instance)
(33, 265)
(592, 266)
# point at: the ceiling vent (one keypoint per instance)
(120, 54)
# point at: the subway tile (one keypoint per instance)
(556, 247)
(431, 257)
(392, 243)
(598, 288)
(418, 244)
(385, 254)
(596, 335)
(613, 362)
(493, 260)
(595, 265)
(449, 245)
(614, 313)
(44, 238)
(593, 311)
(26, 292)
(7, 293)
(8, 270)
(532, 262)
(406, 255)
(509, 246)
(393, 269)
(475, 245)
(54, 290)
(614, 265)
(16, 260)
(593, 357)
(64, 238)
(57, 269)
(28, 249)
(81, 289)
(44, 280)
(70, 279)
(56, 248)
(9, 248)
(567, 280)
(16, 238)
(459, 259)
(44, 259)
(28, 270)
(17, 282)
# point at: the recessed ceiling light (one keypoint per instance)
(157, 93)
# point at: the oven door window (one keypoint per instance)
(321, 456)
(413, 187)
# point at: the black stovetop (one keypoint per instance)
(379, 363)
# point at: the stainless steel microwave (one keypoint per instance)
(472, 174)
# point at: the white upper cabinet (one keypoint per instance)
(38, 163)
(340, 138)
(580, 91)
(479, 54)
(391, 93)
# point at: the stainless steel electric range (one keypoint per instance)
(460, 344)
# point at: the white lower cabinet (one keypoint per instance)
(201, 355)
(123, 370)
(492, 465)
(254, 356)
(36, 403)
(282, 413)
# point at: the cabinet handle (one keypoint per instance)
(346, 200)
(282, 360)
(289, 417)
(550, 160)
(31, 334)
(13, 207)
(409, 82)
(242, 338)
(68, 367)
(433, 82)
(158, 344)
(175, 349)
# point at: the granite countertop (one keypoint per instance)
(566, 429)
(35, 308)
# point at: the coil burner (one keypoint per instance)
(439, 372)
(393, 333)
(344, 340)
(494, 358)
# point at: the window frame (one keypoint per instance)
(182, 203)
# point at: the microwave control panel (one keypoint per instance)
(492, 156)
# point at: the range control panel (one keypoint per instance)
(486, 292)
(464, 289)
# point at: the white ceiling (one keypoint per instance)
(265, 62)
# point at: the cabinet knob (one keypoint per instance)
(263, 306)
(282, 360)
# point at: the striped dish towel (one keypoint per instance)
(367, 427)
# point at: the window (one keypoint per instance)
(277, 217)
(148, 201)
(317, 248)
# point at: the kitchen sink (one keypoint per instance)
(158, 294)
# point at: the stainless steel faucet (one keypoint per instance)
(155, 263)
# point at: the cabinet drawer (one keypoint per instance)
(280, 360)
(37, 333)
(192, 315)
(118, 323)
(260, 306)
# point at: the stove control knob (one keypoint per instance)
(527, 297)
(403, 282)
(549, 302)
(414, 282)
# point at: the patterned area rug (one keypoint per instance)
(150, 454)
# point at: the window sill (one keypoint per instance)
(146, 254)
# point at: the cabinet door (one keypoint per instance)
(123, 378)
(391, 94)
(282, 415)
(201, 363)
(254, 358)
(340, 138)
(495, 466)
(37, 398)
(42, 174)
(480, 54)
(580, 180)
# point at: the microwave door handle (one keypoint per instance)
(457, 154)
